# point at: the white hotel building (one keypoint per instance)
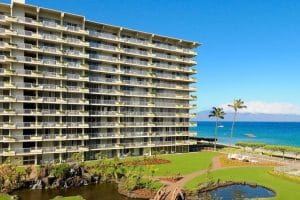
(71, 85)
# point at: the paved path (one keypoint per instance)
(172, 189)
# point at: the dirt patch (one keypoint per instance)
(144, 193)
(138, 193)
(154, 161)
(171, 179)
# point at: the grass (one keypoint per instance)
(5, 197)
(183, 163)
(284, 188)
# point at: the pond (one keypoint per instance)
(105, 191)
(238, 191)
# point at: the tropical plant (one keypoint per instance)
(77, 157)
(217, 113)
(237, 105)
(60, 170)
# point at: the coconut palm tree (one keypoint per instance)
(237, 105)
(217, 113)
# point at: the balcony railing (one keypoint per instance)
(135, 41)
(139, 93)
(103, 57)
(100, 124)
(101, 101)
(137, 72)
(136, 62)
(137, 103)
(104, 80)
(25, 33)
(105, 91)
(103, 46)
(96, 112)
(165, 46)
(47, 23)
(135, 51)
(50, 36)
(102, 34)
(103, 68)
(135, 82)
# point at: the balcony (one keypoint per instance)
(103, 58)
(135, 62)
(104, 80)
(189, 60)
(25, 20)
(133, 144)
(135, 124)
(103, 46)
(134, 93)
(99, 135)
(27, 59)
(7, 71)
(76, 29)
(75, 53)
(135, 113)
(135, 103)
(102, 124)
(163, 143)
(135, 51)
(49, 49)
(24, 125)
(26, 33)
(51, 24)
(103, 68)
(75, 41)
(135, 82)
(136, 72)
(5, 45)
(103, 113)
(135, 41)
(34, 99)
(103, 146)
(76, 65)
(104, 91)
(166, 56)
(94, 33)
(4, 18)
(50, 37)
(103, 102)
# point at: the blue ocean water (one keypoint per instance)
(282, 133)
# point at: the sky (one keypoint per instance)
(251, 48)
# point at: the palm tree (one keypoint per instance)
(217, 113)
(237, 104)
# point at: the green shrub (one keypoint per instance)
(60, 170)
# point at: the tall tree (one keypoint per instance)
(237, 105)
(217, 113)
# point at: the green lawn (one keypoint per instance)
(184, 163)
(5, 197)
(284, 188)
(68, 198)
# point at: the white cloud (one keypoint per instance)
(266, 108)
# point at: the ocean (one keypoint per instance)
(281, 133)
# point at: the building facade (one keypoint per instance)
(71, 85)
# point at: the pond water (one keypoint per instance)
(105, 191)
(238, 191)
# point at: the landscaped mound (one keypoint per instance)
(146, 161)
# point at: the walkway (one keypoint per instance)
(172, 190)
